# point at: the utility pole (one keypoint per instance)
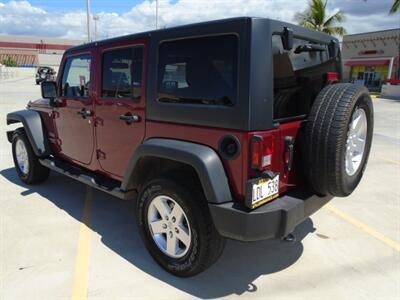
(88, 20)
(95, 19)
(156, 14)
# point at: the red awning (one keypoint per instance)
(372, 62)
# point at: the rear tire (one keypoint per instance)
(330, 145)
(26, 163)
(205, 245)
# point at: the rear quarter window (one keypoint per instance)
(200, 71)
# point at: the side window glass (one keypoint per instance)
(122, 73)
(201, 71)
(137, 72)
(175, 75)
(76, 77)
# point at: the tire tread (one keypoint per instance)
(326, 135)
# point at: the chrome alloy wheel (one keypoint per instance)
(356, 140)
(169, 226)
(22, 156)
(21, 153)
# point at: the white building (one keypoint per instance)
(371, 58)
(34, 51)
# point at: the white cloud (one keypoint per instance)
(374, 22)
(20, 17)
(142, 16)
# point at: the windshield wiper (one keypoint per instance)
(309, 48)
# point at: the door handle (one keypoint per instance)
(129, 119)
(85, 113)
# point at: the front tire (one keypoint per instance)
(26, 163)
(177, 228)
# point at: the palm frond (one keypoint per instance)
(315, 17)
(395, 7)
(335, 30)
(303, 19)
(338, 17)
(318, 9)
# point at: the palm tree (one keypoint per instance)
(315, 17)
(395, 7)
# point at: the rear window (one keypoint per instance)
(198, 71)
(298, 75)
(122, 73)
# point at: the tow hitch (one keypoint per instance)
(290, 238)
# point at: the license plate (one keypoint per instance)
(264, 190)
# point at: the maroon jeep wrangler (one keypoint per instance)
(238, 128)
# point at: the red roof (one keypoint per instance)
(369, 62)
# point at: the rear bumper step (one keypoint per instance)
(91, 179)
(273, 220)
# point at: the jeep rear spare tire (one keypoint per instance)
(338, 139)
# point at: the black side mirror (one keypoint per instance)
(49, 89)
(333, 49)
(287, 38)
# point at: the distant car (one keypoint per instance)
(45, 74)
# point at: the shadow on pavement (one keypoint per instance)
(114, 220)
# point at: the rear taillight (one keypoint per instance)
(256, 152)
(332, 76)
(261, 150)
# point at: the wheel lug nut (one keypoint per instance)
(164, 226)
(176, 230)
(170, 234)
(166, 218)
(173, 219)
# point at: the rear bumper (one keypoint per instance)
(272, 220)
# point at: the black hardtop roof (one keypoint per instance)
(183, 28)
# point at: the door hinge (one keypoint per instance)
(55, 114)
(98, 121)
(100, 155)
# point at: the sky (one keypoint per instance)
(67, 19)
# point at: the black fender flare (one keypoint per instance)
(204, 160)
(34, 129)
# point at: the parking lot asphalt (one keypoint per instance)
(62, 240)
